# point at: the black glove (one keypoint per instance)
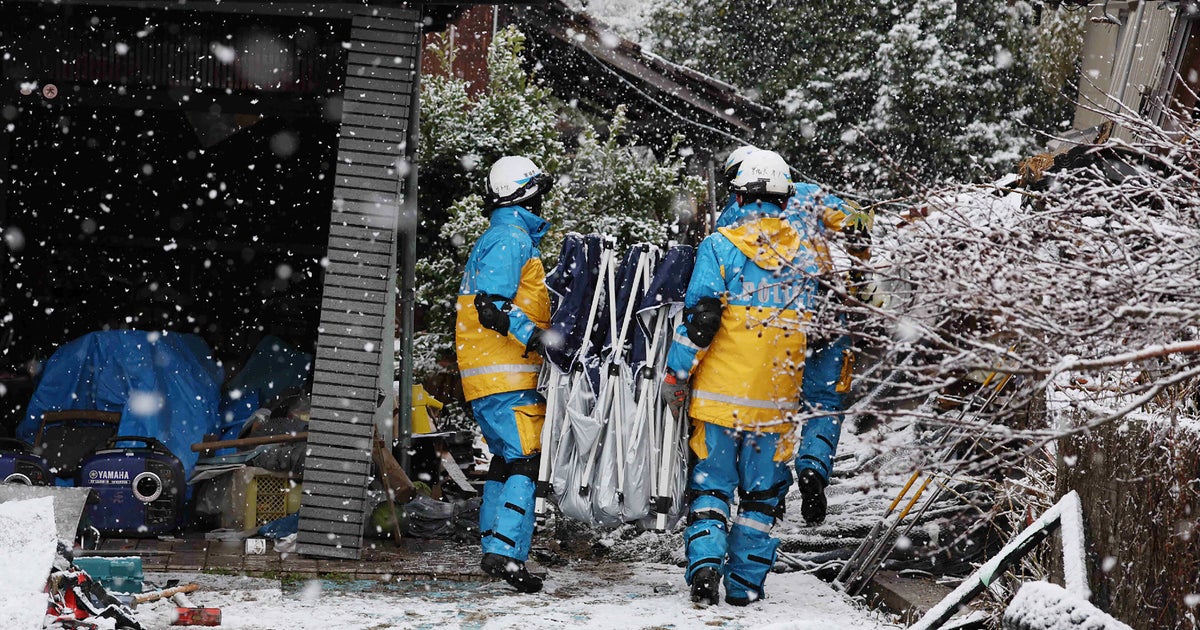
(535, 344)
(674, 393)
(491, 316)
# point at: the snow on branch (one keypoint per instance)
(1089, 264)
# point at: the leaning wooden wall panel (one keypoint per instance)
(355, 333)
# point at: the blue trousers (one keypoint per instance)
(826, 381)
(512, 425)
(740, 548)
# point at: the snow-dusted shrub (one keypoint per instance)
(1078, 283)
(1085, 278)
(605, 183)
(944, 89)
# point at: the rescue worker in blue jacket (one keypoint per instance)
(742, 349)
(823, 214)
(730, 212)
(831, 213)
(503, 309)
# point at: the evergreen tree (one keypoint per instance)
(828, 87)
(944, 89)
(955, 99)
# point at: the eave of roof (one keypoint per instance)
(687, 90)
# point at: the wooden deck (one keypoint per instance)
(414, 559)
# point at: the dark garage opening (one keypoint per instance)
(206, 214)
(129, 222)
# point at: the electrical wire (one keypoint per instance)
(720, 132)
(662, 106)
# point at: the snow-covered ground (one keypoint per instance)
(636, 582)
(623, 590)
(27, 543)
(583, 595)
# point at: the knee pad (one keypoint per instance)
(498, 470)
(708, 505)
(707, 514)
(767, 502)
(694, 494)
(528, 467)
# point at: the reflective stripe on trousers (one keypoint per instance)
(753, 524)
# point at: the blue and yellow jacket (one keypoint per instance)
(810, 204)
(751, 376)
(504, 263)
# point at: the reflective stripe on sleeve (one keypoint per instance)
(745, 402)
(499, 369)
(684, 341)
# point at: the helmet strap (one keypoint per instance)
(745, 199)
(534, 204)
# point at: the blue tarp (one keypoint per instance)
(165, 385)
(670, 279)
(633, 351)
(668, 286)
(274, 369)
(281, 527)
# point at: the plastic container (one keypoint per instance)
(120, 575)
(257, 497)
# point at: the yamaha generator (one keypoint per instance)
(140, 488)
(20, 464)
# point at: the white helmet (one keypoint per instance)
(763, 173)
(514, 179)
(736, 157)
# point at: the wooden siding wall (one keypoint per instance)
(356, 336)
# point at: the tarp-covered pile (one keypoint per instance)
(166, 386)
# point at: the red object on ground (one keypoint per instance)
(197, 617)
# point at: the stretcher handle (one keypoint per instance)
(251, 441)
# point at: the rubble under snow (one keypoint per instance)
(28, 541)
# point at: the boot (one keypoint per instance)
(705, 586)
(511, 571)
(736, 600)
(812, 496)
